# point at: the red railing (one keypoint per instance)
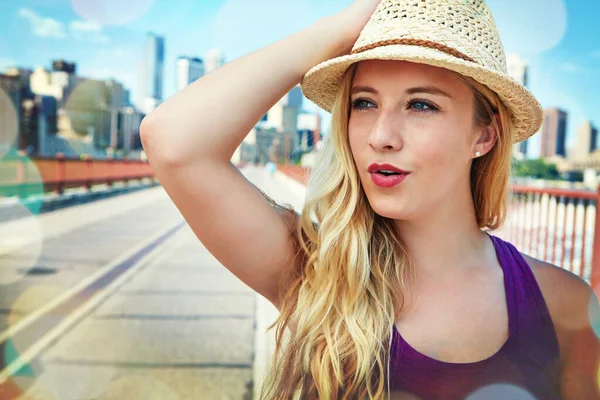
(22, 176)
(300, 174)
(560, 226)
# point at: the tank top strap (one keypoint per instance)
(531, 318)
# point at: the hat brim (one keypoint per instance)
(321, 83)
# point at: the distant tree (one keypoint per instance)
(535, 168)
(573, 176)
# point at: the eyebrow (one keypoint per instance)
(420, 89)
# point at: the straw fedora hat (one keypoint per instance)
(459, 35)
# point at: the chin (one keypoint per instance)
(394, 215)
(391, 210)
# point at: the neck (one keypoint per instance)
(447, 240)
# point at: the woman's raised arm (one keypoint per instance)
(191, 137)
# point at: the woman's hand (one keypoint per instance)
(351, 21)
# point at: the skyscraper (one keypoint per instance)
(213, 59)
(284, 114)
(517, 69)
(152, 72)
(58, 82)
(586, 140)
(188, 70)
(554, 133)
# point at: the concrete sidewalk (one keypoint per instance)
(177, 325)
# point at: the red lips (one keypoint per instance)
(385, 167)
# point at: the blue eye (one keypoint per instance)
(421, 106)
(359, 104)
(418, 105)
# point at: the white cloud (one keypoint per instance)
(6, 63)
(81, 30)
(117, 52)
(570, 67)
(88, 31)
(94, 37)
(43, 27)
(85, 26)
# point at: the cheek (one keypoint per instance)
(356, 140)
(440, 159)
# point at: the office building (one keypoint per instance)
(554, 133)
(152, 72)
(26, 119)
(58, 82)
(586, 140)
(213, 59)
(189, 69)
(517, 69)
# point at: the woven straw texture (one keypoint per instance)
(459, 35)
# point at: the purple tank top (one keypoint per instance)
(525, 368)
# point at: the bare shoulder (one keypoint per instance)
(563, 291)
(556, 278)
(569, 298)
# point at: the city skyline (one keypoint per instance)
(188, 70)
(562, 58)
(152, 72)
(553, 133)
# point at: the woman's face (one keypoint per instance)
(419, 119)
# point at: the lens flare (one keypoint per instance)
(111, 12)
(501, 391)
(64, 382)
(594, 312)
(21, 181)
(139, 387)
(31, 299)
(526, 30)
(80, 117)
(8, 123)
(402, 395)
(20, 246)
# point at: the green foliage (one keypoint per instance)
(535, 168)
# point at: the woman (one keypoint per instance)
(387, 281)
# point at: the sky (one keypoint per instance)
(559, 39)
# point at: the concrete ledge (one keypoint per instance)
(13, 209)
(264, 342)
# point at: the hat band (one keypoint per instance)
(415, 42)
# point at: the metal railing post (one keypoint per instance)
(595, 273)
(60, 173)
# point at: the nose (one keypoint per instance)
(385, 134)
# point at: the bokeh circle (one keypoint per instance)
(111, 12)
(8, 123)
(20, 245)
(501, 391)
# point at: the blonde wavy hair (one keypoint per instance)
(352, 272)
